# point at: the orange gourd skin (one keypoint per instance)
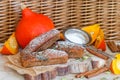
(5, 51)
(93, 31)
(100, 41)
(31, 25)
(102, 45)
(115, 65)
(62, 36)
(10, 46)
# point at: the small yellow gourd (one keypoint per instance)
(93, 31)
(10, 46)
(115, 64)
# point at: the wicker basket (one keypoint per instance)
(65, 13)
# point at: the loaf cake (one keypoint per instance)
(73, 50)
(46, 57)
(37, 72)
(48, 72)
(29, 77)
(42, 73)
(97, 62)
(42, 42)
(63, 69)
(78, 66)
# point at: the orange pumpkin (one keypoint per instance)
(31, 25)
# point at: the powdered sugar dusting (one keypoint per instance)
(38, 41)
(48, 53)
(67, 44)
(51, 53)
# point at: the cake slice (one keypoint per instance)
(63, 69)
(42, 42)
(46, 57)
(97, 62)
(73, 50)
(47, 73)
(79, 65)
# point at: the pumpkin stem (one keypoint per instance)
(23, 6)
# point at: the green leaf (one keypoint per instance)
(103, 78)
(116, 78)
(85, 57)
(64, 78)
(108, 72)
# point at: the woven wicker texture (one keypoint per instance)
(65, 13)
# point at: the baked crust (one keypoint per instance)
(73, 50)
(47, 57)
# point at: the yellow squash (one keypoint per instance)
(115, 65)
(10, 46)
(100, 41)
(93, 31)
